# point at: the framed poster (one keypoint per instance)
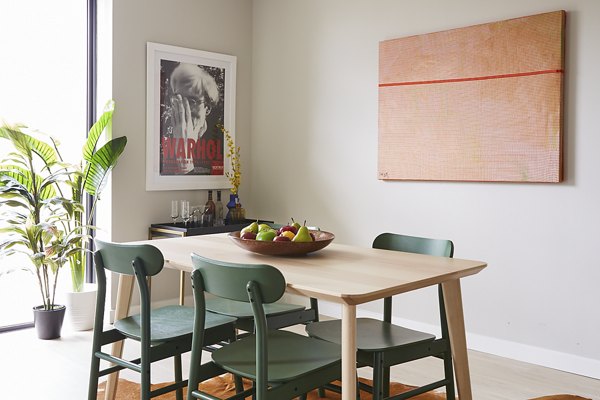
(190, 98)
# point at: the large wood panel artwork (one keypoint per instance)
(481, 103)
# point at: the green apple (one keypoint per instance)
(266, 236)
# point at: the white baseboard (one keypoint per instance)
(517, 351)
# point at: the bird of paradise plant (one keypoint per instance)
(90, 177)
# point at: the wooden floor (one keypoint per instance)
(58, 370)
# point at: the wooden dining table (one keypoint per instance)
(343, 274)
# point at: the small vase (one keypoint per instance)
(236, 213)
(48, 323)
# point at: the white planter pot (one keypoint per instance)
(81, 307)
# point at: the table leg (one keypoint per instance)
(348, 352)
(458, 340)
(181, 288)
(124, 291)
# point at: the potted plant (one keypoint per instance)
(90, 177)
(70, 242)
(36, 219)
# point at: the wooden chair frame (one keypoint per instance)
(257, 285)
(144, 261)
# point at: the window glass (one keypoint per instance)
(43, 86)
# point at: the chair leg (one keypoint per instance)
(145, 378)
(386, 382)
(239, 384)
(178, 376)
(321, 392)
(449, 374)
(377, 376)
(194, 373)
(93, 385)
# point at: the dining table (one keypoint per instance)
(345, 274)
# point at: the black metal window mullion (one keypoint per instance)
(92, 69)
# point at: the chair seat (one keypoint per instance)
(241, 309)
(291, 356)
(371, 334)
(168, 323)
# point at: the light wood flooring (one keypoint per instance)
(58, 370)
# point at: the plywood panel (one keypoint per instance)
(482, 103)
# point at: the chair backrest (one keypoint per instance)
(414, 244)
(419, 245)
(128, 259)
(253, 283)
(230, 280)
(120, 257)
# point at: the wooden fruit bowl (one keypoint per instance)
(322, 239)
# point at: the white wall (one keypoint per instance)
(307, 123)
(221, 26)
(314, 156)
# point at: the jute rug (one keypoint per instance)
(222, 386)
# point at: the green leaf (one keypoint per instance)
(102, 163)
(104, 122)
(10, 185)
(11, 242)
(26, 144)
(19, 202)
(13, 229)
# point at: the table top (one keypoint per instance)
(338, 273)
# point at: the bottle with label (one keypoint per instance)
(209, 208)
(219, 210)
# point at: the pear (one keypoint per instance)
(264, 227)
(295, 224)
(253, 227)
(303, 235)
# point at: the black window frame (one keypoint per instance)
(91, 103)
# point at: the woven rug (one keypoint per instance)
(222, 386)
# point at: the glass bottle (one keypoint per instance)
(210, 209)
(219, 210)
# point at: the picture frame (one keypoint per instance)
(482, 103)
(190, 98)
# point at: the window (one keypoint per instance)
(43, 76)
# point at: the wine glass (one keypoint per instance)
(185, 211)
(174, 210)
(206, 217)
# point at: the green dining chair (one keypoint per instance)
(279, 315)
(162, 332)
(381, 344)
(281, 364)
